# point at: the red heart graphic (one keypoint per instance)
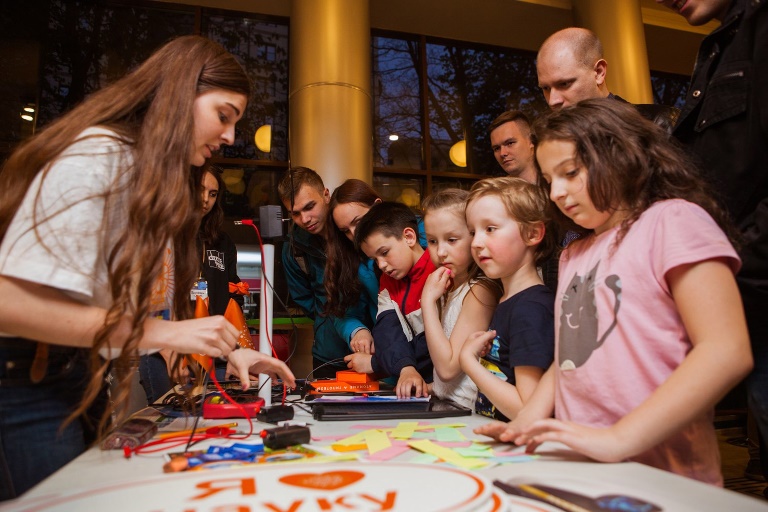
(329, 481)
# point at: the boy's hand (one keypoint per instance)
(436, 285)
(410, 380)
(359, 362)
(478, 344)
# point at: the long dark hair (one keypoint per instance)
(342, 285)
(210, 226)
(151, 111)
(631, 162)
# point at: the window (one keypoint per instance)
(65, 50)
(262, 48)
(669, 88)
(464, 87)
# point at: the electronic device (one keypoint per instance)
(374, 408)
(217, 407)
(131, 433)
(346, 381)
(275, 413)
(283, 437)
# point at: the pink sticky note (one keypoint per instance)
(388, 453)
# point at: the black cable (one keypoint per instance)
(332, 361)
(202, 401)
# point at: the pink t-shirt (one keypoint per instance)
(619, 335)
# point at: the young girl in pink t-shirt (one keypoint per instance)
(649, 326)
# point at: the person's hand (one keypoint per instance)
(213, 336)
(359, 362)
(436, 285)
(362, 342)
(494, 430)
(478, 344)
(246, 362)
(512, 432)
(410, 380)
(601, 444)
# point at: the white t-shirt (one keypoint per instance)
(461, 389)
(68, 223)
(619, 335)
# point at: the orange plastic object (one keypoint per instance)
(201, 311)
(235, 316)
(347, 381)
(352, 376)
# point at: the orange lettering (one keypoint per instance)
(246, 486)
(294, 507)
(387, 504)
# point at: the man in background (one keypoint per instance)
(305, 197)
(510, 135)
(571, 68)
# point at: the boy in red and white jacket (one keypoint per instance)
(388, 234)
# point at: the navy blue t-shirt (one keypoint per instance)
(525, 336)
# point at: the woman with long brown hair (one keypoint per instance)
(348, 278)
(98, 217)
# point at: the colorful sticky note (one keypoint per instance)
(448, 434)
(523, 457)
(388, 453)
(404, 430)
(358, 438)
(424, 458)
(447, 454)
(376, 441)
(470, 452)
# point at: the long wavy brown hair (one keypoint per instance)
(151, 111)
(631, 162)
(342, 286)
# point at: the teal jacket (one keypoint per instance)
(304, 264)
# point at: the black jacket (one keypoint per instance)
(219, 269)
(724, 123)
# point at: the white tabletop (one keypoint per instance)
(556, 466)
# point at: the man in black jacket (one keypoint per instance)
(724, 123)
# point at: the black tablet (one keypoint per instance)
(382, 410)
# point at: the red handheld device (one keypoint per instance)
(217, 407)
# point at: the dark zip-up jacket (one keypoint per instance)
(398, 333)
(724, 124)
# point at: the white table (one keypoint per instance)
(556, 466)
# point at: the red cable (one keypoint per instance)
(249, 222)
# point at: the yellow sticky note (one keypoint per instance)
(377, 441)
(404, 430)
(446, 454)
(358, 438)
